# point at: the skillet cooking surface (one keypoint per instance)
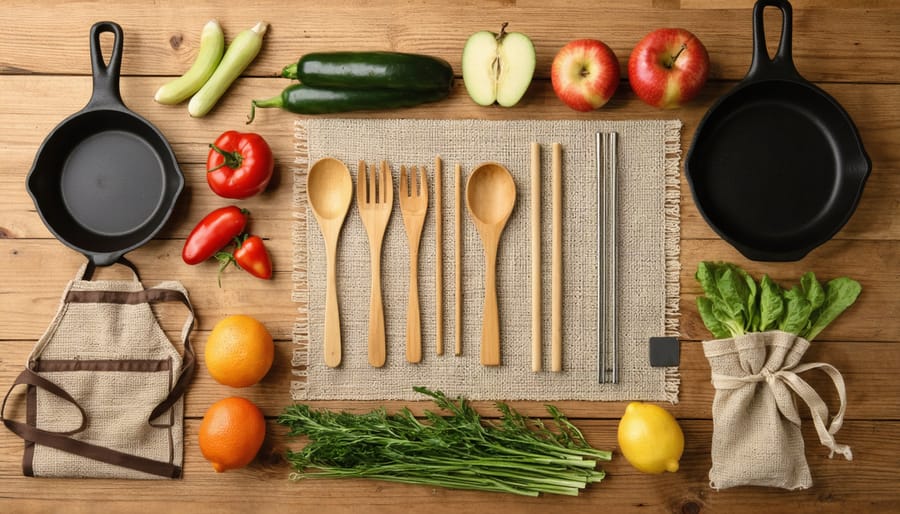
(112, 172)
(773, 172)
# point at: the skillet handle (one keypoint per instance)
(782, 65)
(104, 259)
(106, 76)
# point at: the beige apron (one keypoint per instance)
(105, 386)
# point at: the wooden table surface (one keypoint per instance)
(847, 47)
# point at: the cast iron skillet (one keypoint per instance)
(105, 180)
(776, 166)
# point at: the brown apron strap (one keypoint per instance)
(65, 442)
(189, 360)
(28, 377)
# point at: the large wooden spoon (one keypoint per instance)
(490, 198)
(329, 189)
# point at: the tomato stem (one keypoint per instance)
(232, 160)
(224, 258)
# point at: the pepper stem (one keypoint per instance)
(275, 101)
(289, 71)
(232, 160)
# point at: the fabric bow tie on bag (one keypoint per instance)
(784, 381)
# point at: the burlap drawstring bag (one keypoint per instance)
(756, 424)
(105, 386)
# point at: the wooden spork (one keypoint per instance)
(375, 200)
(413, 206)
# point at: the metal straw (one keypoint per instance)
(614, 250)
(601, 334)
(607, 202)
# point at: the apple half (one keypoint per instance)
(498, 67)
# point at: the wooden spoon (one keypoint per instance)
(490, 197)
(329, 189)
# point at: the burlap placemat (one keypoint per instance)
(648, 225)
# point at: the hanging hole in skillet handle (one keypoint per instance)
(782, 65)
(106, 75)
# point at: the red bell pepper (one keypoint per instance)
(239, 165)
(213, 233)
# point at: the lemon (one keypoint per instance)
(650, 438)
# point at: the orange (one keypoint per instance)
(239, 351)
(231, 433)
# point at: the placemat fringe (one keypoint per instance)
(672, 148)
(300, 277)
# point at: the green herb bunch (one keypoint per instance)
(457, 449)
(735, 304)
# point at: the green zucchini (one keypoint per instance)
(363, 70)
(303, 99)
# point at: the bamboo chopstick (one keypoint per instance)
(457, 214)
(439, 254)
(556, 272)
(535, 257)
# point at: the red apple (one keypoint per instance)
(585, 74)
(668, 68)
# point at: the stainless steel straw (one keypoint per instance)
(613, 251)
(607, 265)
(601, 326)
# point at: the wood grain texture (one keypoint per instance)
(847, 47)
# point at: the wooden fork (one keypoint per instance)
(375, 199)
(413, 206)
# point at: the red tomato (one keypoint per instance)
(213, 233)
(253, 258)
(239, 165)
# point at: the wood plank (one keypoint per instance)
(167, 44)
(838, 484)
(865, 366)
(34, 110)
